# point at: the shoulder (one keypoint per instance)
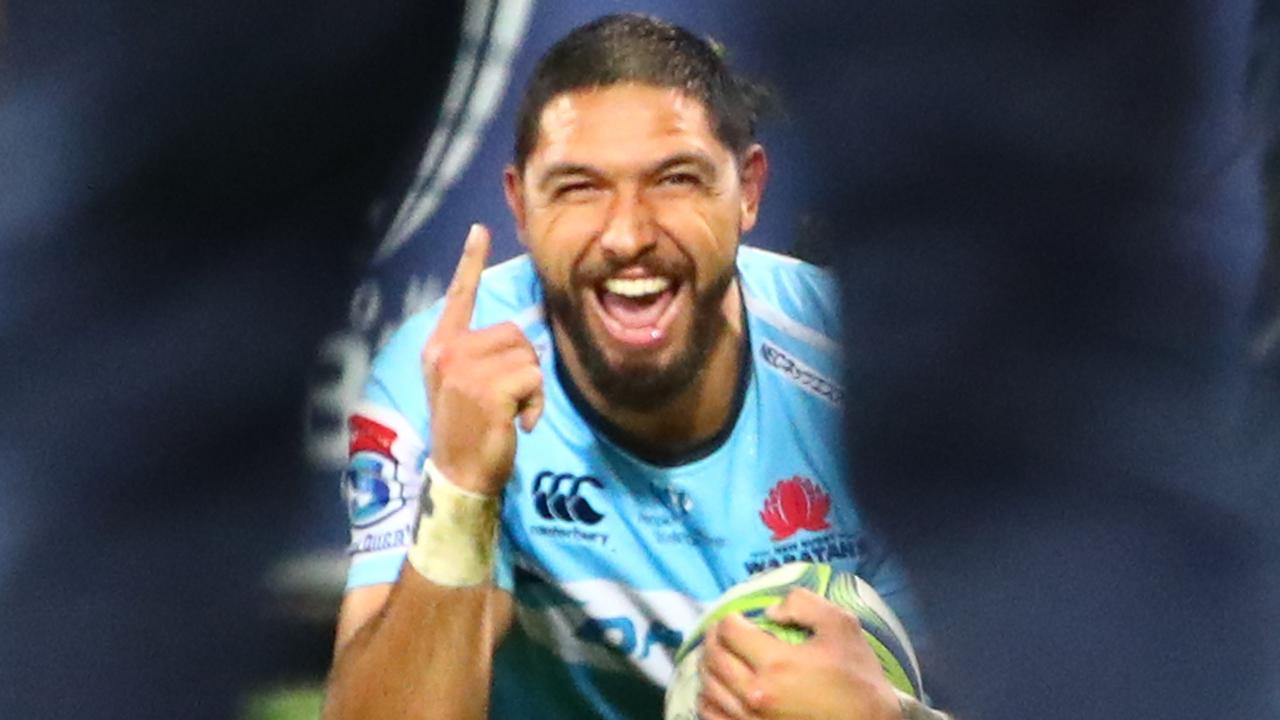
(792, 297)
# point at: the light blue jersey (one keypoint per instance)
(612, 557)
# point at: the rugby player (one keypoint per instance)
(559, 465)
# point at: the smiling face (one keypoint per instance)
(632, 209)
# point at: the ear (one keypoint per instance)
(753, 173)
(513, 188)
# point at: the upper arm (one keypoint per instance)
(359, 606)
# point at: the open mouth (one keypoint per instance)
(637, 311)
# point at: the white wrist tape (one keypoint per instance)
(457, 532)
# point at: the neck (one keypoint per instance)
(695, 415)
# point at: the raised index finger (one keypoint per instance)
(460, 299)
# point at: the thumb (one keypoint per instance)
(805, 609)
(531, 411)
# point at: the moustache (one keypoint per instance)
(587, 275)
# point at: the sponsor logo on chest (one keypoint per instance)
(607, 624)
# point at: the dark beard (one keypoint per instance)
(638, 386)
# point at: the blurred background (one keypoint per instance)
(210, 219)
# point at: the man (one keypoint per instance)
(677, 420)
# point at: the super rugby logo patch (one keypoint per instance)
(371, 484)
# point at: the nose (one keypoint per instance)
(629, 232)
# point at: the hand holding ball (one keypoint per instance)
(880, 628)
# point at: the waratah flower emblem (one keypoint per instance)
(797, 503)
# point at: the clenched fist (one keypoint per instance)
(478, 382)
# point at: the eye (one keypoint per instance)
(572, 190)
(680, 179)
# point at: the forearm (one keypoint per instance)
(429, 653)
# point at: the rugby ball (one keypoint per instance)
(880, 627)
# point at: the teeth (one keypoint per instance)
(637, 287)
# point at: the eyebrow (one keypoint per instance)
(566, 169)
(700, 161)
(559, 170)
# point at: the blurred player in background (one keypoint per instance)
(185, 194)
(558, 465)
(1048, 226)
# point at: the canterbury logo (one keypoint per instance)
(556, 497)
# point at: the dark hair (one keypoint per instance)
(633, 48)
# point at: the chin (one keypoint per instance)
(642, 382)
(645, 371)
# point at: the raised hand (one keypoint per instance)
(478, 382)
